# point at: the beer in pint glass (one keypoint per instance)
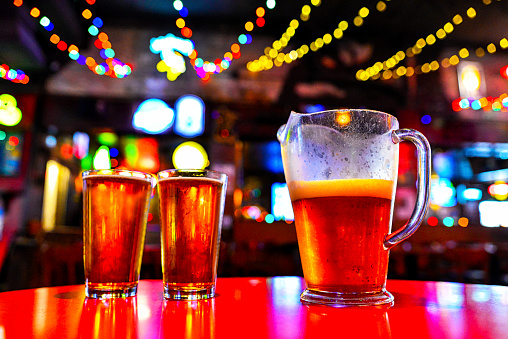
(115, 208)
(191, 206)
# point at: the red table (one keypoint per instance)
(256, 308)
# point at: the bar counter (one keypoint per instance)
(256, 308)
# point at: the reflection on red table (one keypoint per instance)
(256, 307)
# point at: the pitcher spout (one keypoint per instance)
(281, 133)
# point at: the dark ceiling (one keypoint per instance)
(25, 44)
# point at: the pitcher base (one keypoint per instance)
(338, 299)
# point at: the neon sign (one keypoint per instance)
(153, 116)
(171, 49)
(190, 116)
(10, 114)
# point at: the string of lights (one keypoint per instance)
(273, 55)
(486, 103)
(434, 65)
(374, 72)
(13, 75)
(112, 66)
(205, 68)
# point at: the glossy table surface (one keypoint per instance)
(256, 308)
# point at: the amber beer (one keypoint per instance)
(341, 225)
(115, 216)
(191, 213)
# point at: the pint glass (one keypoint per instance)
(115, 208)
(191, 206)
(341, 169)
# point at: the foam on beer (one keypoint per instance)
(377, 188)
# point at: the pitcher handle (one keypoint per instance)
(423, 185)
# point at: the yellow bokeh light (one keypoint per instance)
(387, 74)
(190, 155)
(480, 52)
(457, 19)
(434, 65)
(381, 6)
(448, 27)
(327, 38)
(86, 14)
(360, 75)
(277, 45)
(338, 33)
(445, 62)
(304, 17)
(358, 21)
(180, 23)
(249, 26)
(421, 43)
(416, 50)
(431, 39)
(410, 71)
(363, 12)
(454, 60)
(464, 53)
(306, 10)
(260, 11)
(290, 31)
(316, 2)
(491, 48)
(503, 43)
(35, 12)
(401, 71)
(294, 23)
(441, 34)
(471, 12)
(343, 25)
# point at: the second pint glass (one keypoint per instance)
(191, 206)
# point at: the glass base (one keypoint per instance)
(338, 299)
(171, 292)
(108, 293)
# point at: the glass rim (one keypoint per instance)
(192, 173)
(124, 173)
(354, 110)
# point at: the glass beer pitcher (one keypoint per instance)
(341, 169)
